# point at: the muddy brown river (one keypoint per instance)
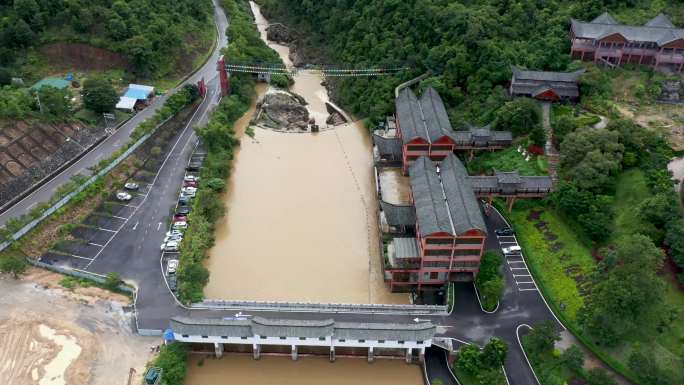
(300, 223)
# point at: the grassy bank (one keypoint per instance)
(220, 139)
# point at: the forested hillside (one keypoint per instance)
(469, 45)
(150, 34)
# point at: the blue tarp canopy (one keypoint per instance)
(168, 335)
(138, 91)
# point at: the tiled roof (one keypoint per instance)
(302, 328)
(431, 209)
(533, 83)
(406, 247)
(659, 30)
(424, 118)
(463, 205)
(399, 215)
(388, 146)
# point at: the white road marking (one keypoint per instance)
(108, 230)
(521, 275)
(518, 268)
(136, 225)
(78, 256)
(124, 218)
(95, 244)
(159, 226)
(530, 289)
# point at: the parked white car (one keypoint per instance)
(511, 249)
(131, 186)
(171, 266)
(180, 225)
(123, 196)
(191, 178)
(170, 246)
(189, 191)
(173, 232)
(173, 237)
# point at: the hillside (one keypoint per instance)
(468, 45)
(151, 37)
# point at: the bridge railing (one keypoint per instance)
(213, 304)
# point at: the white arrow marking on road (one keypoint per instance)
(159, 226)
(420, 320)
(136, 225)
(239, 314)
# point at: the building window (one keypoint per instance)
(185, 336)
(321, 338)
(282, 338)
(362, 341)
(224, 337)
(302, 338)
(243, 338)
(262, 337)
(400, 342)
(341, 340)
(381, 341)
(434, 275)
(205, 336)
(419, 342)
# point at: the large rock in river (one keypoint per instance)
(284, 111)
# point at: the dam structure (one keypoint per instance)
(297, 336)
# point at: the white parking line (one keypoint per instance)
(107, 230)
(78, 256)
(530, 289)
(95, 244)
(521, 275)
(124, 218)
(518, 268)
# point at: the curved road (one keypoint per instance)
(120, 137)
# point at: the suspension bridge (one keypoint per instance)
(265, 70)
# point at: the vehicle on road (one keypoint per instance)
(123, 196)
(504, 231)
(172, 282)
(194, 166)
(183, 210)
(191, 178)
(171, 266)
(180, 225)
(131, 186)
(170, 246)
(173, 237)
(189, 191)
(190, 184)
(511, 249)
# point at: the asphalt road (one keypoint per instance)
(118, 138)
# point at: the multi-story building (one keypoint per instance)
(423, 129)
(603, 40)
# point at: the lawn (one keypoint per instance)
(561, 260)
(558, 258)
(506, 160)
(582, 118)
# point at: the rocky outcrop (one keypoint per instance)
(283, 111)
(280, 34)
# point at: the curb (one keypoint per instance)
(477, 294)
(517, 336)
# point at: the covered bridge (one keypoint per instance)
(545, 85)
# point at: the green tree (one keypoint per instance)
(5, 77)
(562, 126)
(542, 338)
(521, 116)
(112, 281)
(573, 359)
(489, 281)
(469, 359)
(591, 157)
(173, 360)
(491, 377)
(216, 184)
(494, 353)
(22, 35)
(625, 289)
(25, 9)
(599, 376)
(99, 95)
(647, 370)
(14, 265)
(54, 101)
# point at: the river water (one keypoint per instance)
(300, 226)
(301, 212)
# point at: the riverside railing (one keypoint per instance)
(320, 307)
(63, 202)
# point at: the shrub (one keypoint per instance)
(13, 264)
(172, 359)
(489, 281)
(469, 359)
(112, 281)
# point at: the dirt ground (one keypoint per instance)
(91, 343)
(664, 118)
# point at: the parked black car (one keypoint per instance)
(194, 166)
(172, 282)
(505, 231)
(183, 210)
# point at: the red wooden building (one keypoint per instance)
(658, 43)
(545, 85)
(423, 129)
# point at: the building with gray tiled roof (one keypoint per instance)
(603, 40)
(257, 333)
(545, 85)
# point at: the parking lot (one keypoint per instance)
(93, 234)
(516, 264)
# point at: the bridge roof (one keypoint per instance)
(302, 328)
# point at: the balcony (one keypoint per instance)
(674, 58)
